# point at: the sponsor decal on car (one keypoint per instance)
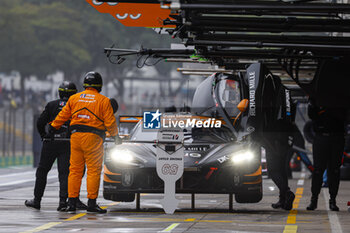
(288, 107)
(252, 107)
(223, 159)
(170, 136)
(197, 148)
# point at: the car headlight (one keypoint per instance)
(122, 156)
(242, 156)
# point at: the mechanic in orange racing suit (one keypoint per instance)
(91, 115)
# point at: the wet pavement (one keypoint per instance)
(211, 213)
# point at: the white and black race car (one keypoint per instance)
(224, 160)
(213, 164)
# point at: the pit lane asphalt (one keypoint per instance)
(211, 214)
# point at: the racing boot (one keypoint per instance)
(34, 203)
(279, 204)
(333, 205)
(62, 205)
(80, 205)
(313, 203)
(93, 207)
(288, 203)
(72, 204)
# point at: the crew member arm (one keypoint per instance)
(313, 111)
(109, 119)
(64, 115)
(43, 120)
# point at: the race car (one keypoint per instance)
(216, 160)
(213, 164)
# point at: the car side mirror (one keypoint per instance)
(243, 105)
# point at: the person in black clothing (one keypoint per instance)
(296, 139)
(328, 146)
(277, 146)
(114, 104)
(278, 112)
(52, 149)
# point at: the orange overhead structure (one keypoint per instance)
(134, 14)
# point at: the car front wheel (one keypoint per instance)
(248, 196)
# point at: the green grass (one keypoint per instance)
(15, 161)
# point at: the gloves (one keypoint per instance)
(50, 134)
(52, 130)
(43, 136)
(117, 140)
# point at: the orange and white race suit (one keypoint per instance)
(86, 110)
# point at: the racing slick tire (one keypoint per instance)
(248, 197)
(309, 132)
(122, 197)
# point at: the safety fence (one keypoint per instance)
(16, 135)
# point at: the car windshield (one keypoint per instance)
(229, 96)
(191, 135)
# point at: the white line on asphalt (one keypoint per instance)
(302, 175)
(300, 182)
(22, 181)
(171, 227)
(17, 174)
(333, 217)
